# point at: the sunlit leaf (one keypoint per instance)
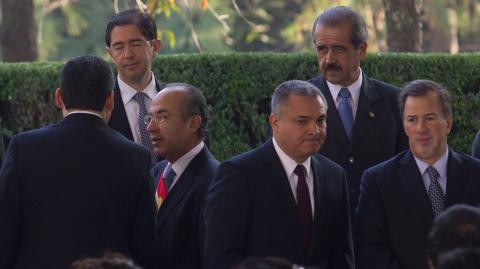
(204, 4)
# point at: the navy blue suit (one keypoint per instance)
(73, 190)
(377, 132)
(179, 219)
(251, 211)
(394, 214)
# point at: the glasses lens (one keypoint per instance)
(147, 119)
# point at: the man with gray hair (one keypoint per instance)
(281, 199)
(399, 198)
(364, 126)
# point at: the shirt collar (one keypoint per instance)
(181, 164)
(288, 163)
(128, 92)
(84, 112)
(440, 165)
(353, 88)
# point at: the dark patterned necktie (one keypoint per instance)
(303, 204)
(139, 97)
(168, 175)
(346, 112)
(435, 193)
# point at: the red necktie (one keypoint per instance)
(161, 192)
(303, 204)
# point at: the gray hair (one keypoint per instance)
(296, 87)
(335, 16)
(195, 103)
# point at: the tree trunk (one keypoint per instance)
(403, 26)
(452, 25)
(18, 32)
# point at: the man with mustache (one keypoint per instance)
(399, 198)
(178, 126)
(364, 126)
(131, 39)
(282, 199)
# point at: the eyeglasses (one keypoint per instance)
(157, 119)
(135, 46)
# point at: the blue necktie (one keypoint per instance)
(435, 193)
(168, 175)
(345, 111)
(139, 97)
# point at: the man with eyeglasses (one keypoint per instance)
(178, 126)
(131, 39)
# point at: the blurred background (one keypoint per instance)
(44, 30)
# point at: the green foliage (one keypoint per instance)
(238, 88)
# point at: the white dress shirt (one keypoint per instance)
(440, 165)
(131, 106)
(289, 165)
(354, 90)
(181, 164)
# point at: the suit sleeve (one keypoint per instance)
(373, 247)
(10, 209)
(143, 232)
(476, 146)
(226, 218)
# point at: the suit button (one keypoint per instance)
(351, 160)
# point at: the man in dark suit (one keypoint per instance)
(400, 197)
(178, 125)
(77, 188)
(281, 199)
(1, 148)
(364, 126)
(476, 146)
(131, 39)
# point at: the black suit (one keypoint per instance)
(377, 132)
(179, 219)
(394, 214)
(73, 190)
(119, 120)
(251, 211)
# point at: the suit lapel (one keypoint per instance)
(457, 179)
(320, 181)
(279, 185)
(412, 188)
(180, 188)
(366, 111)
(119, 120)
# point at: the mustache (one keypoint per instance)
(333, 67)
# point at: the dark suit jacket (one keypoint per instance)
(394, 215)
(119, 120)
(377, 132)
(179, 219)
(74, 190)
(476, 146)
(251, 211)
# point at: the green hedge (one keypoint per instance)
(238, 88)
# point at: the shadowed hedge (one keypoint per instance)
(238, 88)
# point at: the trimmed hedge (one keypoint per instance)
(238, 88)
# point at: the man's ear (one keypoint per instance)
(157, 44)
(109, 102)
(195, 123)
(273, 122)
(58, 99)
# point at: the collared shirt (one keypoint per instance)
(181, 164)
(131, 106)
(354, 90)
(289, 165)
(85, 112)
(440, 165)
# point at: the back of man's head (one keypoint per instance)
(456, 227)
(460, 258)
(85, 83)
(108, 261)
